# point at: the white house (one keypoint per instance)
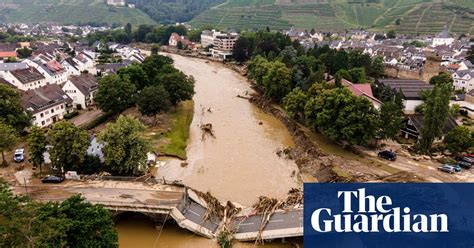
(71, 67)
(85, 62)
(52, 70)
(81, 89)
(26, 79)
(464, 80)
(48, 104)
(465, 65)
(5, 69)
(411, 90)
(443, 38)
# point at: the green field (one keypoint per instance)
(68, 12)
(415, 16)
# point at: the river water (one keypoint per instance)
(239, 164)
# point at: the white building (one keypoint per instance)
(5, 69)
(411, 90)
(53, 71)
(222, 43)
(443, 38)
(26, 79)
(81, 89)
(116, 2)
(71, 67)
(464, 80)
(47, 104)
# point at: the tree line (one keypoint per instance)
(71, 223)
(300, 80)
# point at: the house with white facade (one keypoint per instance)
(222, 43)
(81, 89)
(443, 38)
(52, 70)
(5, 68)
(26, 79)
(411, 90)
(71, 67)
(85, 62)
(47, 104)
(463, 80)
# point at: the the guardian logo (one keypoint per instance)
(369, 214)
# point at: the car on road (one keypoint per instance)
(464, 164)
(19, 155)
(52, 179)
(447, 168)
(389, 155)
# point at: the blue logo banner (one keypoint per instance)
(387, 215)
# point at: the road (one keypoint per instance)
(280, 220)
(195, 213)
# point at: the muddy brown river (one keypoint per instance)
(239, 164)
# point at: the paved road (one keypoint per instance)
(291, 219)
(195, 213)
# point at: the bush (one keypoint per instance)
(97, 121)
(91, 165)
(71, 115)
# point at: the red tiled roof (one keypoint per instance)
(7, 54)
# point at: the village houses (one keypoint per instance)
(81, 89)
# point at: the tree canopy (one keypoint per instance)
(69, 145)
(459, 139)
(153, 100)
(125, 150)
(8, 138)
(11, 111)
(115, 94)
(72, 223)
(37, 146)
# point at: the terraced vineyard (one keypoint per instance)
(407, 16)
(68, 12)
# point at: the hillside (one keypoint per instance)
(407, 16)
(68, 12)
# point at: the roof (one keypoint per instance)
(45, 97)
(471, 93)
(462, 73)
(418, 121)
(12, 66)
(411, 89)
(7, 54)
(86, 83)
(72, 63)
(444, 34)
(27, 75)
(362, 90)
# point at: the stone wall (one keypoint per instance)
(432, 68)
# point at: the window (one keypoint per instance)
(42, 123)
(41, 115)
(52, 111)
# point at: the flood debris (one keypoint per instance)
(207, 129)
(265, 206)
(243, 97)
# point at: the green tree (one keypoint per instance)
(69, 145)
(295, 102)
(37, 146)
(89, 225)
(72, 223)
(377, 68)
(136, 75)
(459, 139)
(343, 117)
(358, 75)
(179, 86)
(8, 139)
(442, 78)
(153, 100)
(128, 30)
(241, 50)
(125, 150)
(180, 45)
(436, 114)
(343, 73)
(391, 119)
(257, 69)
(11, 111)
(391, 34)
(115, 94)
(277, 81)
(24, 52)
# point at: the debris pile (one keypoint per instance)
(207, 129)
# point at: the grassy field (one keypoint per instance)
(68, 12)
(415, 16)
(173, 141)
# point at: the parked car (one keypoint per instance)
(52, 179)
(447, 168)
(470, 155)
(467, 159)
(19, 155)
(457, 167)
(389, 155)
(464, 164)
